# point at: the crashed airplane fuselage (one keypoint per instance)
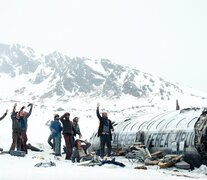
(175, 132)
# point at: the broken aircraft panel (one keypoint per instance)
(174, 132)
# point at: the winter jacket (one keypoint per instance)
(15, 122)
(77, 129)
(102, 122)
(68, 127)
(56, 128)
(24, 120)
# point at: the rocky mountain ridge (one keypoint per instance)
(61, 78)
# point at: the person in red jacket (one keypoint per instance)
(104, 132)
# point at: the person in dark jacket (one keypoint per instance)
(16, 131)
(68, 131)
(77, 128)
(104, 132)
(23, 118)
(56, 129)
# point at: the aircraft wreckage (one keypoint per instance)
(181, 132)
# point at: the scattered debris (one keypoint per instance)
(45, 164)
(169, 161)
(138, 153)
(157, 154)
(151, 162)
(33, 148)
(135, 156)
(100, 162)
(182, 165)
(38, 157)
(112, 162)
(141, 167)
(17, 153)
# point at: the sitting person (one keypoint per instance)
(80, 151)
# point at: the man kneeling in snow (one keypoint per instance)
(80, 151)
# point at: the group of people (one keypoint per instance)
(69, 129)
(76, 149)
(19, 127)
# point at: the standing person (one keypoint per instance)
(77, 128)
(104, 132)
(16, 131)
(56, 129)
(68, 130)
(50, 139)
(23, 117)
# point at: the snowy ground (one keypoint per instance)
(12, 167)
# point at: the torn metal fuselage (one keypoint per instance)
(174, 132)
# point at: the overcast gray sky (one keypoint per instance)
(167, 38)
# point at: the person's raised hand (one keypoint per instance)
(98, 104)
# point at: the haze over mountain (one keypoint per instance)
(62, 81)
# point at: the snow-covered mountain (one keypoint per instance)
(56, 82)
(59, 80)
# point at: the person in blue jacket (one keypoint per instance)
(56, 129)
